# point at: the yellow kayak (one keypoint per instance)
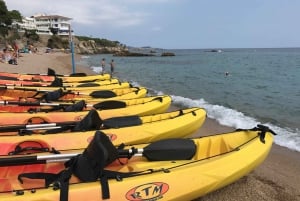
(128, 129)
(87, 87)
(142, 106)
(135, 107)
(171, 169)
(56, 83)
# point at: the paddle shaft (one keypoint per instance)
(49, 90)
(169, 149)
(20, 103)
(12, 128)
(54, 158)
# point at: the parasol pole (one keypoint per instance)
(72, 49)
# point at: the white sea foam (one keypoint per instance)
(96, 69)
(229, 117)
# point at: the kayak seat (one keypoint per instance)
(53, 95)
(51, 72)
(119, 122)
(58, 82)
(99, 153)
(79, 106)
(107, 105)
(91, 121)
(88, 167)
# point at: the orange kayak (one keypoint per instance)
(148, 107)
(17, 94)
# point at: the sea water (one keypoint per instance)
(238, 87)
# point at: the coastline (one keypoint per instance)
(275, 179)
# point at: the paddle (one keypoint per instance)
(55, 95)
(95, 93)
(15, 128)
(60, 92)
(103, 105)
(91, 121)
(168, 149)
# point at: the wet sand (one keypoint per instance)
(275, 179)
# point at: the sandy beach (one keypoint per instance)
(276, 179)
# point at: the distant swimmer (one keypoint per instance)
(226, 73)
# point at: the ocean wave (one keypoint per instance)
(285, 137)
(229, 117)
(96, 69)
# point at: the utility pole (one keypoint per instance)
(72, 49)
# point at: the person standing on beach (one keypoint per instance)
(16, 49)
(112, 67)
(103, 65)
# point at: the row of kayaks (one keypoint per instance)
(70, 143)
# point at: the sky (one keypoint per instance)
(178, 24)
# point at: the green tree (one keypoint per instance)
(4, 17)
(15, 15)
(7, 17)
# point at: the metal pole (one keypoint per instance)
(72, 49)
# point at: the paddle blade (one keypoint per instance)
(103, 94)
(78, 75)
(58, 82)
(170, 149)
(53, 95)
(111, 104)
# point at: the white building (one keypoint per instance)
(27, 23)
(45, 24)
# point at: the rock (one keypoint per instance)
(167, 54)
(131, 54)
